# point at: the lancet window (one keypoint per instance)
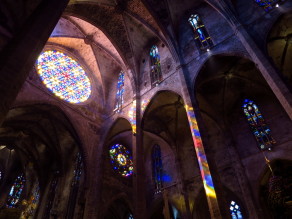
(258, 125)
(157, 170)
(78, 168)
(235, 211)
(15, 192)
(267, 5)
(202, 37)
(155, 68)
(120, 92)
(32, 202)
(51, 196)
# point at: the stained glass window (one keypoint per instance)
(235, 211)
(155, 69)
(63, 76)
(157, 170)
(78, 167)
(77, 170)
(121, 159)
(131, 216)
(201, 35)
(51, 196)
(258, 125)
(15, 192)
(266, 4)
(120, 92)
(32, 203)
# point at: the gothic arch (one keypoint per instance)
(41, 136)
(119, 207)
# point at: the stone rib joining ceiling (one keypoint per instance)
(110, 19)
(106, 18)
(85, 51)
(98, 37)
(65, 28)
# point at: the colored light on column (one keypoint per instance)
(132, 116)
(203, 164)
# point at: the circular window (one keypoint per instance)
(63, 76)
(121, 159)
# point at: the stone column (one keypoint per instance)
(139, 191)
(94, 144)
(242, 179)
(267, 69)
(192, 114)
(19, 55)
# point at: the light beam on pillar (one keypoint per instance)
(202, 160)
(132, 116)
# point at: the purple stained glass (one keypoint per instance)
(156, 75)
(235, 211)
(200, 33)
(64, 76)
(121, 160)
(15, 192)
(157, 169)
(267, 5)
(258, 125)
(120, 92)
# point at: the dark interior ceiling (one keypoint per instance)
(40, 134)
(280, 46)
(224, 82)
(167, 118)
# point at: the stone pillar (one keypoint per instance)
(267, 69)
(9, 175)
(94, 165)
(166, 205)
(208, 184)
(139, 191)
(19, 55)
(243, 183)
(182, 188)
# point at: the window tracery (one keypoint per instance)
(157, 169)
(15, 192)
(155, 68)
(267, 5)
(77, 172)
(64, 76)
(121, 160)
(200, 33)
(235, 211)
(51, 196)
(120, 92)
(258, 125)
(32, 202)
